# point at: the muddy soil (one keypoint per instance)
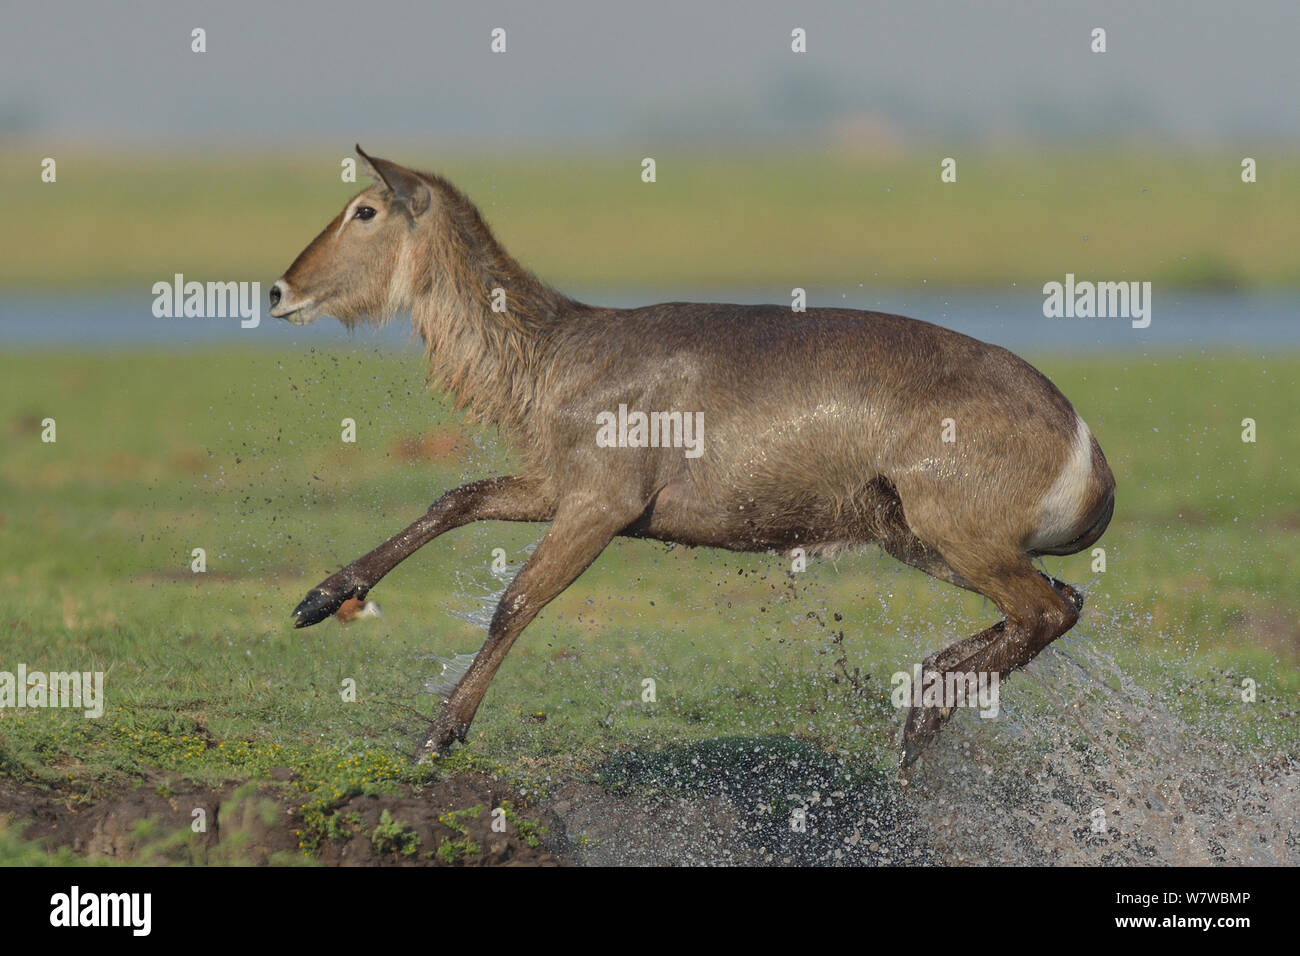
(156, 823)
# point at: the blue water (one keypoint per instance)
(1012, 317)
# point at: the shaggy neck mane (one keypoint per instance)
(491, 362)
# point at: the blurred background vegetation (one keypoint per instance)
(774, 170)
(725, 216)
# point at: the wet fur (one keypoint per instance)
(822, 430)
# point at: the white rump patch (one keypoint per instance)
(1062, 507)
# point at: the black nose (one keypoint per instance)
(275, 295)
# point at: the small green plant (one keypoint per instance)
(321, 823)
(530, 831)
(392, 836)
(450, 851)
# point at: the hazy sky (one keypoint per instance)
(280, 74)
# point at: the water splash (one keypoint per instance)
(1090, 763)
(483, 598)
(1088, 768)
(453, 669)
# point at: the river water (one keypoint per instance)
(1012, 317)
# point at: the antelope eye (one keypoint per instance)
(364, 212)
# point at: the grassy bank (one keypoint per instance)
(238, 452)
(772, 221)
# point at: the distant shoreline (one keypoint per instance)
(826, 218)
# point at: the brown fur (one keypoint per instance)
(822, 429)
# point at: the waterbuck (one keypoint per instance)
(821, 429)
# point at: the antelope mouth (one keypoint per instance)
(296, 315)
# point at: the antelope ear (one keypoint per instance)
(407, 188)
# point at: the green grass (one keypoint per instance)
(239, 452)
(771, 220)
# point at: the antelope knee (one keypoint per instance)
(1062, 617)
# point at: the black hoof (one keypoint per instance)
(913, 747)
(922, 727)
(317, 606)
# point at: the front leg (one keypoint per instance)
(580, 532)
(501, 499)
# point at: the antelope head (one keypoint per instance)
(361, 264)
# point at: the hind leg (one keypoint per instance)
(1036, 614)
(952, 655)
(902, 545)
(897, 539)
